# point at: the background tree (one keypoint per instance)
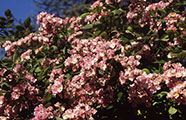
(66, 8)
(11, 31)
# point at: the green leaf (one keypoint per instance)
(5, 84)
(99, 106)
(91, 10)
(109, 107)
(101, 72)
(103, 34)
(154, 103)
(8, 13)
(96, 23)
(120, 94)
(129, 28)
(42, 74)
(38, 69)
(10, 21)
(84, 15)
(117, 11)
(48, 104)
(160, 61)
(46, 98)
(68, 76)
(6, 60)
(97, 33)
(146, 70)
(165, 38)
(27, 22)
(57, 118)
(88, 26)
(59, 66)
(15, 55)
(19, 27)
(172, 110)
(2, 18)
(64, 50)
(1, 93)
(112, 6)
(161, 94)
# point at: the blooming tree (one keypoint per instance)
(96, 65)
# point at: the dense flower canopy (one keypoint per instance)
(73, 68)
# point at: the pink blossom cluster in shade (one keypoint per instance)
(172, 19)
(142, 86)
(174, 77)
(95, 16)
(149, 19)
(9, 106)
(42, 113)
(141, 11)
(81, 110)
(56, 82)
(135, 9)
(143, 89)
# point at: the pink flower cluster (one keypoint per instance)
(42, 113)
(149, 19)
(174, 77)
(81, 110)
(172, 19)
(24, 90)
(135, 9)
(90, 57)
(31, 78)
(49, 23)
(178, 92)
(142, 90)
(95, 16)
(10, 108)
(141, 10)
(46, 62)
(96, 4)
(173, 73)
(26, 55)
(56, 79)
(111, 1)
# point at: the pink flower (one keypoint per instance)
(17, 68)
(2, 71)
(122, 78)
(26, 55)
(7, 45)
(108, 1)
(1, 100)
(68, 114)
(57, 87)
(3, 118)
(31, 78)
(97, 3)
(172, 19)
(42, 113)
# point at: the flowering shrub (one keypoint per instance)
(96, 65)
